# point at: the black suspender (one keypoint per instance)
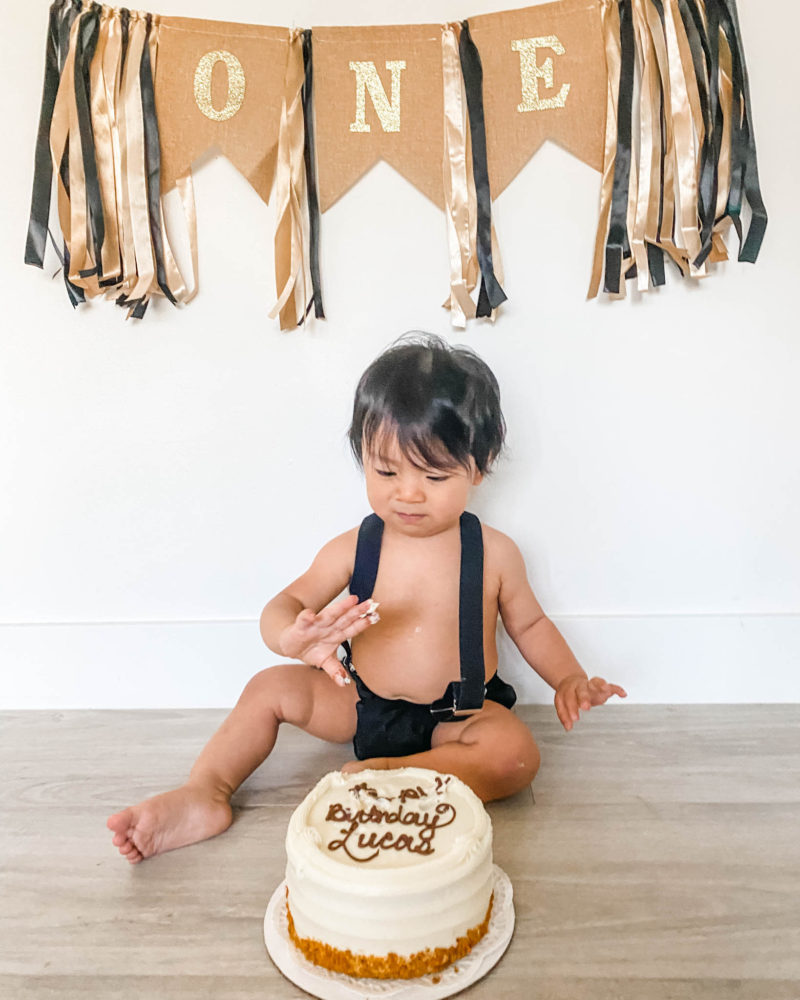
(368, 555)
(465, 696)
(468, 697)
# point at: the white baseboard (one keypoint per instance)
(658, 659)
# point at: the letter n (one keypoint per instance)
(367, 79)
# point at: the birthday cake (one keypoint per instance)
(389, 873)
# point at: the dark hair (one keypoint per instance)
(441, 402)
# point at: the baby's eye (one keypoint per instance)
(437, 479)
(384, 472)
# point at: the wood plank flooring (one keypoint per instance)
(659, 860)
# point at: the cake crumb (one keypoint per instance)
(436, 980)
(371, 614)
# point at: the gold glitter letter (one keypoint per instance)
(532, 74)
(202, 85)
(367, 79)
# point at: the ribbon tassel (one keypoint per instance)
(697, 158)
(98, 132)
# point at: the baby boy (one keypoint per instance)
(417, 684)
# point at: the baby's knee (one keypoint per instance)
(265, 687)
(516, 759)
(285, 691)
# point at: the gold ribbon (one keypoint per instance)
(646, 214)
(664, 238)
(101, 113)
(186, 190)
(111, 186)
(609, 16)
(136, 167)
(59, 134)
(681, 83)
(290, 263)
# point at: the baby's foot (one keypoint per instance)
(164, 822)
(372, 764)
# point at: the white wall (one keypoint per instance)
(160, 480)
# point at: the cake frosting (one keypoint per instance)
(389, 873)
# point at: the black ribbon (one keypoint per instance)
(125, 24)
(309, 157)
(71, 13)
(62, 16)
(43, 169)
(617, 246)
(152, 151)
(655, 253)
(744, 163)
(491, 294)
(703, 38)
(136, 307)
(86, 43)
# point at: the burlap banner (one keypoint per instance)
(654, 93)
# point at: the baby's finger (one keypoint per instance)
(340, 636)
(305, 618)
(562, 713)
(571, 704)
(335, 670)
(334, 611)
(354, 615)
(602, 687)
(584, 695)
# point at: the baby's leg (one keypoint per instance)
(492, 751)
(295, 693)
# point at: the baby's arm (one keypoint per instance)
(301, 622)
(540, 642)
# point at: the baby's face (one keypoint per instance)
(413, 499)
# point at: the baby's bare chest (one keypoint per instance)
(413, 651)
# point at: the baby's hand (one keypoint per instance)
(576, 691)
(315, 638)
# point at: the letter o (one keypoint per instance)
(202, 85)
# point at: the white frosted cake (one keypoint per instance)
(389, 873)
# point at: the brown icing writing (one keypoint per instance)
(418, 840)
(405, 793)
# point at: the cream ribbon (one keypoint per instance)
(136, 172)
(290, 262)
(685, 148)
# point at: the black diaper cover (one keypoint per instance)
(392, 727)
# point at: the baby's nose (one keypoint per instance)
(410, 491)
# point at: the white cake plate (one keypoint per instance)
(327, 985)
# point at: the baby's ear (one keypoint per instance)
(477, 476)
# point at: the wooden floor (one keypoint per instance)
(660, 859)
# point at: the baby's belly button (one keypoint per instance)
(424, 691)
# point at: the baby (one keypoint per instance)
(417, 685)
